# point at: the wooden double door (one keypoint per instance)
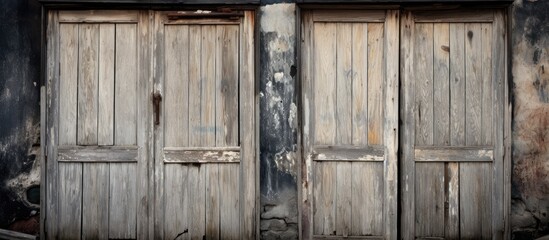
(150, 119)
(413, 96)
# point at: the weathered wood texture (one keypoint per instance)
(205, 155)
(346, 82)
(93, 180)
(450, 133)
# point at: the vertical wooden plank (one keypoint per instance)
(473, 83)
(501, 196)
(176, 85)
(343, 198)
(53, 115)
(105, 115)
(68, 83)
(451, 219)
(248, 119)
(227, 85)
(123, 185)
(207, 72)
(197, 201)
(175, 200)
(123, 201)
(88, 66)
(70, 200)
(95, 201)
(423, 68)
(325, 198)
(195, 45)
(390, 130)
(159, 73)
(375, 83)
(125, 107)
(212, 201)
(367, 206)
(360, 84)
(227, 117)
(457, 84)
(344, 83)
(324, 81)
(441, 82)
(197, 184)
(429, 200)
(487, 91)
(407, 134)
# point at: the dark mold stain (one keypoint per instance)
(470, 35)
(536, 56)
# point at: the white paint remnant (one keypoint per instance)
(278, 18)
(278, 76)
(292, 118)
(274, 98)
(286, 161)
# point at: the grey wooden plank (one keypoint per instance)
(441, 84)
(335, 153)
(451, 216)
(407, 134)
(97, 153)
(105, 114)
(229, 205)
(459, 15)
(350, 237)
(213, 210)
(343, 193)
(343, 86)
(473, 84)
(88, 65)
(208, 126)
(53, 113)
(501, 196)
(201, 156)
(197, 204)
(391, 125)
(125, 98)
(249, 196)
(68, 82)
(122, 201)
(360, 84)
(43, 163)
(91, 16)
(325, 198)
(367, 207)
(457, 84)
(159, 73)
(429, 199)
(423, 67)
(325, 51)
(13, 235)
(95, 201)
(176, 201)
(375, 83)
(176, 98)
(70, 201)
(475, 200)
(454, 154)
(227, 86)
(349, 16)
(195, 39)
(487, 91)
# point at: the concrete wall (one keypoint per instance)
(530, 84)
(279, 162)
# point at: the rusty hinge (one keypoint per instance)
(219, 13)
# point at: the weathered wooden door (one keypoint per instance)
(452, 139)
(97, 138)
(350, 115)
(204, 140)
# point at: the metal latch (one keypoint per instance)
(156, 98)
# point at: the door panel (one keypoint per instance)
(95, 175)
(349, 116)
(203, 146)
(453, 121)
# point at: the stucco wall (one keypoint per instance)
(530, 84)
(19, 113)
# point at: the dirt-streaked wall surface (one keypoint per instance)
(530, 81)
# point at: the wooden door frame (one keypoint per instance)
(502, 144)
(390, 126)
